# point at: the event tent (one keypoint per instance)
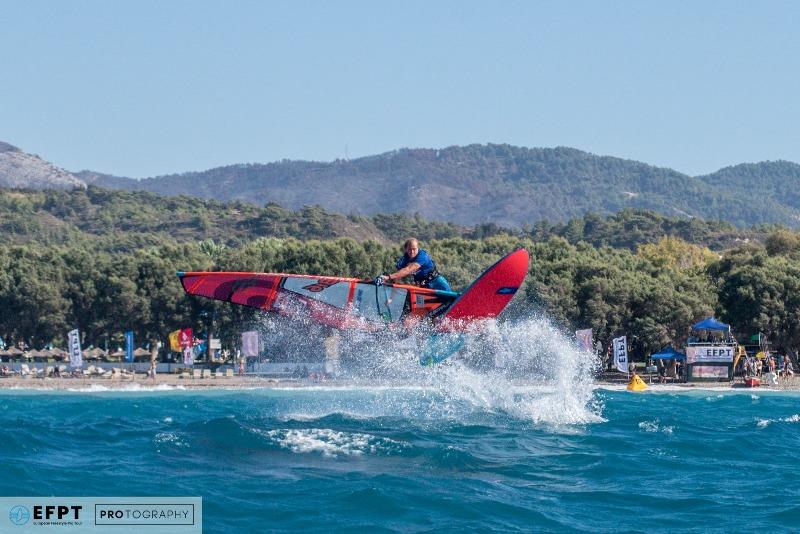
(710, 323)
(668, 353)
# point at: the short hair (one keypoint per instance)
(410, 241)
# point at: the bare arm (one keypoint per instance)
(409, 269)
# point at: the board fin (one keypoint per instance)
(440, 346)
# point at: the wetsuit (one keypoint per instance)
(427, 275)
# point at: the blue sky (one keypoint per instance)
(147, 88)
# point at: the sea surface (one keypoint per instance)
(512, 435)
(404, 458)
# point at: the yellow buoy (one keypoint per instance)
(636, 384)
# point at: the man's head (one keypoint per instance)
(411, 247)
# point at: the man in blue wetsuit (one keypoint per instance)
(417, 262)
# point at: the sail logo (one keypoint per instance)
(507, 290)
(320, 285)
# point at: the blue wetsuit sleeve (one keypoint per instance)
(425, 262)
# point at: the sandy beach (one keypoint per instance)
(168, 381)
(141, 381)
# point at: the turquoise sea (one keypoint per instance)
(405, 458)
(511, 436)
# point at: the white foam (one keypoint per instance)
(488, 375)
(655, 426)
(330, 443)
(169, 438)
(763, 423)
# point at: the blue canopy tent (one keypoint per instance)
(668, 353)
(710, 323)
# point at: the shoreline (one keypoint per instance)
(174, 382)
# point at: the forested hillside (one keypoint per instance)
(471, 185)
(501, 184)
(128, 220)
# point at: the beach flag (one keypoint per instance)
(188, 356)
(185, 338)
(174, 343)
(621, 354)
(75, 356)
(250, 343)
(584, 338)
(129, 346)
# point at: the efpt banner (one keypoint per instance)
(621, 354)
(75, 356)
(129, 346)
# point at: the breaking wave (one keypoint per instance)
(527, 370)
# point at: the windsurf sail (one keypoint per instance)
(334, 301)
(355, 303)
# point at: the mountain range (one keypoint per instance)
(467, 185)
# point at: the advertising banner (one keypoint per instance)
(250, 343)
(188, 356)
(185, 338)
(621, 354)
(129, 346)
(710, 371)
(584, 338)
(710, 353)
(75, 356)
(174, 343)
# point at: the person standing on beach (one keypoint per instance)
(787, 367)
(154, 345)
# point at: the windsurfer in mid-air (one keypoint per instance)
(419, 263)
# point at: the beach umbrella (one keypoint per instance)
(141, 354)
(36, 354)
(59, 354)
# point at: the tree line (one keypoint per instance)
(652, 294)
(105, 262)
